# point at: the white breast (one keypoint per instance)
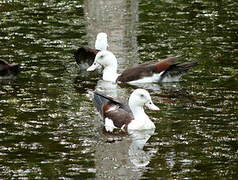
(109, 126)
(141, 124)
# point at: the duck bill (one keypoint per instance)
(151, 106)
(93, 67)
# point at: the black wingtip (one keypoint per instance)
(189, 64)
(178, 69)
(78, 55)
(85, 55)
(100, 100)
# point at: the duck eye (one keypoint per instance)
(142, 95)
(101, 56)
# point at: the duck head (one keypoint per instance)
(106, 59)
(139, 98)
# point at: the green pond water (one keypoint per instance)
(49, 128)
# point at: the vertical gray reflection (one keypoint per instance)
(118, 19)
(123, 159)
(112, 161)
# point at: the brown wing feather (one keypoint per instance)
(119, 117)
(136, 72)
(145, 70)
(164, 64)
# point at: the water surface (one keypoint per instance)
(49, 126)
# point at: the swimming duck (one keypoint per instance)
(85, 55)
(118, 115)
(8, 70)
(162, 71)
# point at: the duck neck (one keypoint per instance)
(110, 73)
(138, 111)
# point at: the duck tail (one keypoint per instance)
(185, 66)
(175, 71)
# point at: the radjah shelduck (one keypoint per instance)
(167, 70)
(124, 117)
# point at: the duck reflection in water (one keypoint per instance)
(137, 155)
(122, 155)
(137, 140)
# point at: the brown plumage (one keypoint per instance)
(145, 70)
(119, 116)
(119, 113)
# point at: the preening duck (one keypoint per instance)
(86, 55)
(118, 115)
(166, 70)
(8, 70)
